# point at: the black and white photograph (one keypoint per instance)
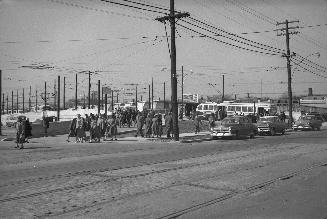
(163, 109)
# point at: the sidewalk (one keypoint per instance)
(125, 133)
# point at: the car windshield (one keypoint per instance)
(267, 119)
(230, 121)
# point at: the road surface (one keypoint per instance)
(267, 177)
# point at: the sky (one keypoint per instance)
(127, 46)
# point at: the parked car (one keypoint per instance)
(235, 127)
(271, 125)
(307, 122)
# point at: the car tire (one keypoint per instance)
(283, 132)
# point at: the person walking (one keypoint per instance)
(20, 132)
(114, 122)
(154, 126)
(45, 125)
(80, 129)
(159, 126)
(197, 122)
(139, 124)
(72, 129)
(28, 130)
(211, 120)
(169, 124)
(148, 126)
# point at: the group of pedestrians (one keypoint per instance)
(99, 127)
(23, 131)
(152, 123)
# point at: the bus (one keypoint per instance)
(206, 109)
(261, 108)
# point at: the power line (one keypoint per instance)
(226, 43)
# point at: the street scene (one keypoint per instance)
(163, 109)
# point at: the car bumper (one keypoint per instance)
(222, 134)
(300, 127)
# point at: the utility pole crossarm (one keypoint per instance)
(177, 15)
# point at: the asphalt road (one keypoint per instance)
(266, 177)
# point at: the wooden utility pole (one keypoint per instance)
(182, 93)
(136, 98)
(105, 104)
(164, 99)
(223, 96)
(7, 105)
(149, 97)
(171, 18)
(76, 92)
(45, 95)
(29, 100)
(12, 102)
(1, 102)
(17, 101)
(112, 100)
(288, 58)
(58, 101)
(152, 94)
(36, 100)
(64, 97)
(89, 103)
(99, 97)
(23, 100)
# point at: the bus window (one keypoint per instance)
(205, 107)
(200, 107)
(215, 107)
(238, 109)
(250, 109)
(244, 108)
(210, 107)
(231, 108)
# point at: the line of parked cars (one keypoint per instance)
(242, 126)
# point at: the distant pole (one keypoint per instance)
(64, 97)
(182, 93)
(29, 100)
(112, 100)
(102, 98)
(89, 90)
(0, 102)
(84, 106)
(76, 92)
(99, 97)
(136, 97)
(12, 102)
(36, 100)
(58, 108)
(23, 100)
(3, 103)
(17, 101)
(105, 105)
(223, 96)
(45, 95)
(164, 95)
(7, 105)
(149, 97)
(152, 95)
(117, 97)
(54, 95)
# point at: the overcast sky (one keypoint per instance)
(127, 45)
